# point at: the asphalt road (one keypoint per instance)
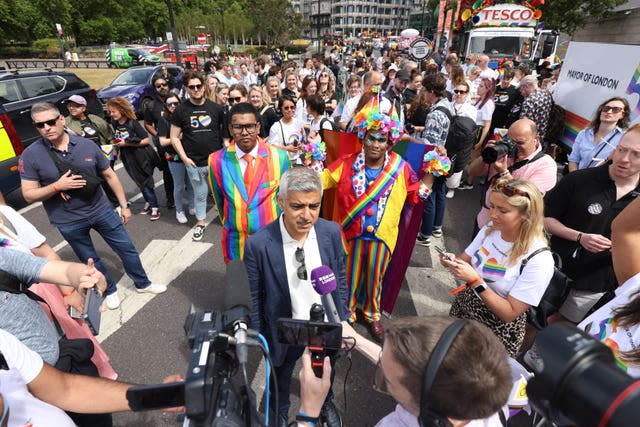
(145, 337)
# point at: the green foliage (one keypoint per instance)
(105, 21)
(44, 44)
(569, 15)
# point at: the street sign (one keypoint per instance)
(420, 48)
(202, 38)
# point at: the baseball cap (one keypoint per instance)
(77, 99)
(393, 67)
(403, 75)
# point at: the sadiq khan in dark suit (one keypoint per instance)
(279, 260)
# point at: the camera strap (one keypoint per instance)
(513, 167)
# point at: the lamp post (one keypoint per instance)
(174, 33)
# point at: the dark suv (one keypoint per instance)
(20, 90)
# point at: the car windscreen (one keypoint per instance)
(133, 77)
(498, 45)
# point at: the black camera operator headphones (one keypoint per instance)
(428, 417)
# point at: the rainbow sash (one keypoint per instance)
(379, 186)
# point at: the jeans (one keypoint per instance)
(198, 177)
(180, 179)
(433, 215)
(110, 227)
(149, 196)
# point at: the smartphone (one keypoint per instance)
(305, 333)
(75, 313)
(444, 253)
(156, 396)
(92, 315)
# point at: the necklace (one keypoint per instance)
(630, 336)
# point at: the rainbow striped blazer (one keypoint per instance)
(243, 211)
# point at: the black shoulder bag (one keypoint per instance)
(555, 294)
(93, 180)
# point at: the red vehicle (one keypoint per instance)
(192, 57)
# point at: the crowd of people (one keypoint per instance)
(253, 137)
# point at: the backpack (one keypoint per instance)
(322, 122)
(555, 125)
(460, 139)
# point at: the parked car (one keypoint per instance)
(18, 92)
(135, 85)
(10, 149)
(125, 57)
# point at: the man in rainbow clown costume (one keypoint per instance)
(372, 187)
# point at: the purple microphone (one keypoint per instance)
(324, 282)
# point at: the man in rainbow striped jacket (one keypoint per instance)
(244, 179)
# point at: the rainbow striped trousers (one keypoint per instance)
(366, 264)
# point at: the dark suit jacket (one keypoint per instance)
(264, 259)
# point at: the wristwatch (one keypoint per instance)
(479, 289)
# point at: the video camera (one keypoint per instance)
(502, 147)
(580, 380)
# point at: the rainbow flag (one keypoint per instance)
(412, 153)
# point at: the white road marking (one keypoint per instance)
(163, 260)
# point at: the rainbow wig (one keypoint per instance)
(370, 118)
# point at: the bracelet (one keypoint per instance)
(579, 237)
(306, 418)
(474, 282)
(69, 293)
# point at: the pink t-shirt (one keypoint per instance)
(543, 173)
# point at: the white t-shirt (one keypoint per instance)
(466, 110)
(489, 258)
(604, 328)
(326, 125)
(27, 236)
(486, 112)
(400, 417)
(283, 134)
(301, 292)
(24, 408)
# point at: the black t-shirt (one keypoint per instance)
(200, 126)
(409, 95)
(585, 200)
(89, 130)
(153, 112)
(131, 132)
(504, 100)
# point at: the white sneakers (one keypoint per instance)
(153, 288)
(181, 217)
(113, 301)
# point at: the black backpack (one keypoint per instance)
(322, 122)
(461, 137)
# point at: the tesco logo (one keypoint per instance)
(507, 15)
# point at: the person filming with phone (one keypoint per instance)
(498, 292)
(424, 365)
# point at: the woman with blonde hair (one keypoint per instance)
(508, 266)
(137, 155)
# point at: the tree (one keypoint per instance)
(569, 15)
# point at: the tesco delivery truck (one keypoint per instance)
(505, 31)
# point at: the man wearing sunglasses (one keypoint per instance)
(244, 179)
(579, 212)
(69, 208)
(279, 259)
(152, 116)
(473, 392)
(196, 133)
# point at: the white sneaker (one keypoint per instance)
(153, 288)
(450, 194)
(112, 301)
(181, 217)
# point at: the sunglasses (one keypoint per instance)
(50, 123)
(235, 99)
(195, 87)
(249, 127)
(290, 107)
(460, 91)
(504, 187)
(615, 110)
(159, 85)
(171, 104)
(302, 270)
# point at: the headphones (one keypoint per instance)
(428, 417)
